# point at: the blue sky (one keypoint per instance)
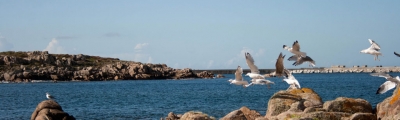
(205, 34)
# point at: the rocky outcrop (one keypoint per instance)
(40, 65)
(191, 115)
(50, 110)
(295, 100)
(306, 104)
(389, 109)
(243, 113)
(205, 74)
(220, 76)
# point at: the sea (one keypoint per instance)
(154, 99)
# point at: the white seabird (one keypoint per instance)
(373, 50)
(295, 49)
(397, 54)
(389, 84)
(239, 78)
(291, 80)
(300, 60)
(254, 72)
(261, 81)
(49, 96)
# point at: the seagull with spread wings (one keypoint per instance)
(389, 84)
(374, 49)
(295, 49)
(238, 78)
(260, 81)
(291, 80)
(301, 60)
(254, 72)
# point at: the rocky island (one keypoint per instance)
(40, 65)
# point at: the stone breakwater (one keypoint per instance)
(40, 65)
(347, 70)
(313, 70)
(306, 104)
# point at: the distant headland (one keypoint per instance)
(28, 66)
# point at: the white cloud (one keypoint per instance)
(240, 59)
(140, 46)
(210, 63)
(54, 47)
(150, 60)
(5, 45)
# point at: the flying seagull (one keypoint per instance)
(295, 49)
(397, 54)
(389, 84)
(300, 60)
(239, 78)
(291, 80)
(254, 72)
(373, 50)
(49, 96)
(279, 68)
(261, 81)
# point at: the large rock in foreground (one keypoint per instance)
(306, 104)
(389, 109)
(243, 113)
(297, 99)
(50, 110)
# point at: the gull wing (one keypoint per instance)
(293, 58)
(279, 65)
(296, 46)
(250, 63)
(388, 85)
(238, 74)
(288, 74)
(374, 45)
(381, 74)
(304, 59)
(397, 54)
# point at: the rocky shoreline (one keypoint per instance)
(293, 104)
(40, 65)
(305, 104)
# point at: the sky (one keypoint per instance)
(205, 34)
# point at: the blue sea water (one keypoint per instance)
(153, 99)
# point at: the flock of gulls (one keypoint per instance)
(299, 58)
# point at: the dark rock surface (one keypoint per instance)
(40, 65)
